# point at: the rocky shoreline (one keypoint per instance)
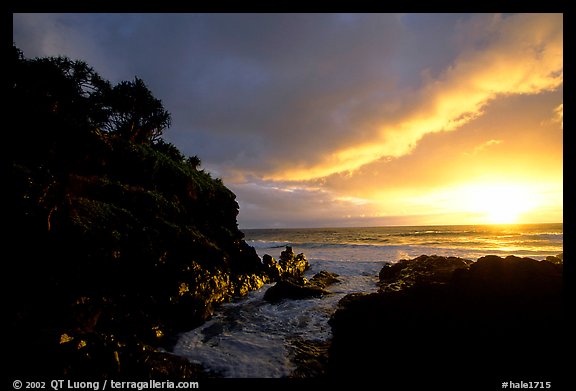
(131, 337)
(454, 324)
(117, 242)
(434, 321)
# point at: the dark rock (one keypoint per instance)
(322, 279)
(501, 317)
(512, 276)
(293, 289)
(291, 264)
(289, 274)
(287, 255)
(421, 270)
(268, 261)
(350, 299)
(271, 267)
(212, 331)
(557, 259)
(310, 358)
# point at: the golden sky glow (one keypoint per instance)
(525, 57)
(500, 164)
(347, 120)
(486, 202)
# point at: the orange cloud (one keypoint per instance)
(559, 115)
(520, 54)
(483, 146)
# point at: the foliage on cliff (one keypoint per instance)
(115, 237)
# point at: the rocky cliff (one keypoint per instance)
(116, 241)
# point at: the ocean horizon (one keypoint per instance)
(386, 242)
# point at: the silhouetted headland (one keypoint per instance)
(117, 241)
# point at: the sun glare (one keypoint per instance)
(498, 203)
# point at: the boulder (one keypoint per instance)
(557, 259)
(292, 264)
(293, 289)
(322, 279)
(424, 269)
(289, 265)
(271, 267)
(510, 276)
(489, 321)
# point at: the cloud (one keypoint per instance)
(284, 204)
(313, 118)
(481, 147)
(278, 90)
(559, 115)
(519, 54)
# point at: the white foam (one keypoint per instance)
(252, 338)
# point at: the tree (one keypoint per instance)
(134, 113)
(70, 95)
(194, 161)
(55, 105)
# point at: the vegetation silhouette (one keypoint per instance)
(117, 240)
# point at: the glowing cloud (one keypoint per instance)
(330, 120)
(559, 115)
(483, 146)
(520, 54)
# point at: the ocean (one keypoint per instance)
(251, 338)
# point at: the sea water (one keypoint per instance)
(254, 338)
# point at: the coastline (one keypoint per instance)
(370, 323)
(127, 266)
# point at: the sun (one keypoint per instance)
(481, 202)
(498, 203)
(501, 208)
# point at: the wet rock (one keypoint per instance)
(511, 276)
(323, 278)
(497, 317)
(289, 274)
(248, 282)
(293, 289)
(271, 267)
(289, 265)
(421, 270)
(292, 264)
(310, 358)
(557, 259)
(212, 331)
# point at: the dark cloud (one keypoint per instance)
(277, 87)
(326, 99)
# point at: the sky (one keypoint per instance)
(328, 120)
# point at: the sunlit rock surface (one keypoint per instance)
(289, 274)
